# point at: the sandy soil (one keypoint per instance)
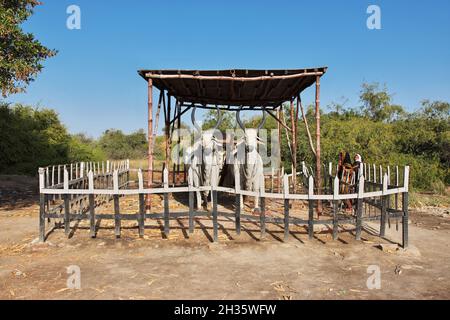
(185, 266)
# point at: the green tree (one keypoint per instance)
(31, 138)
(210, 120)
(117, 145)
(377, 103)
(21, 55)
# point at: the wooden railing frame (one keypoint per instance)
(367, 192)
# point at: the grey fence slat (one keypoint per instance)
(335, 220)
(66, 214)
(42, 217)
(405, 220)
(310, 219)
(214, 215)
(117, 222)
(141, 218)
(92, 215)
(262, 217)
(359, 208)
(286, 219)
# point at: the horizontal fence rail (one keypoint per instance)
(91, 185)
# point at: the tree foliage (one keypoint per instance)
(117, 145)
(21, 55)
(31, 137)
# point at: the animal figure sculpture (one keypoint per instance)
(205, 153)
(248, 161)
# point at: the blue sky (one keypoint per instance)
(94, 85)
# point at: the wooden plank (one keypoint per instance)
(359, 208)
(405, 220)
(214, 216)
(92, 215)
(141, 217)
(310, 208)
(66, 214)
(42, 217)
(286, 206)
(335, 220)
(237, 184)
(117, 221)
(262, 218)
(166, 201)
(191, 200)
(286, 219)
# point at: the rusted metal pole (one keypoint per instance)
(148, 203)
(294, 146)
(318, 162)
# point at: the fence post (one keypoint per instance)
(91, 203)
(310, 207)
(286, 206)
(41, 205)
(381, 174)
(237, 187)
(335, 208)
(383, 207)
(271, 179)
(117, 222)
(330, 176)
(166, 201)
(388, 198)
(141, 217)
(214, 182)
(405, 216)
(190, 178)
(262, 199)
(66, 203)
(359, 208)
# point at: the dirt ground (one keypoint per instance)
(185, 266)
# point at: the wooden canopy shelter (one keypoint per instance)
(231, 90)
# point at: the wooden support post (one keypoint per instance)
(141, 217)
(150, 142)
(41, 205)
(117, 222)
(286, 207)
(318, 160)
(191, 199)
(405, 217)
(310, 207)
(91, 204)
(294, 145)
(359, 208)
(166, 201)
(237, 186)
